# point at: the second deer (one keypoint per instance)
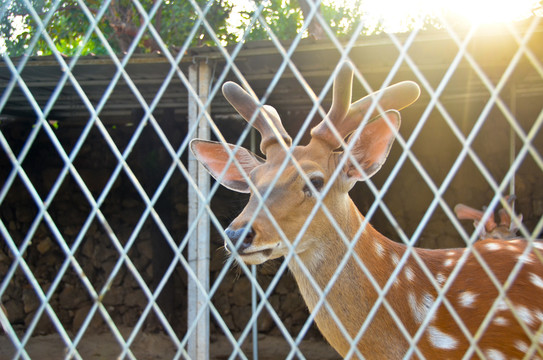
(505, 230)
(322, 260)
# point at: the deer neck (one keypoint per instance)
(329, 249)
(349, 292)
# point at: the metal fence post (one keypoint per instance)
(512, 141)
(198, 248)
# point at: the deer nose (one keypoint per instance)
(236, 235)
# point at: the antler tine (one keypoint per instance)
(396, 97)
(505, 217)
(464, 212)
(267, 121)
(346, 117)
(341, 101)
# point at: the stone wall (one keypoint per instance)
(408, 199)
(96, 253)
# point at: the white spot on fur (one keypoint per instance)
(428, 300)
(379, 249)
(521, 346)
(511, 248)
(538, 245)
(525, 315)
(420, 310)
(416, 309)
(451, 253)
(493, 246)
(539, 315)
(467, 298)
(409, 274)
(441, 279)
(448, 262)
(536, 280)
(502, 306)
(525, 259)
(501, 321)
(493, 354)
(396, 281)
(395, 259)
(441, 340)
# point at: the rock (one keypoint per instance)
(43, 326)
(87, 248)
(44, 245)
(106, 266)
(131, 317)
(115, 296)
(15, 312)
(137, 299)
(145, 248)
(71, 231)
(241, 316)
(80, 316)
(291, 302)
(241, 292)
(30, 300)
(12, 225)
(265, 321)
(71, 297)
(3, 257)
(25, 214)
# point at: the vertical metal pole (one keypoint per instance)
(254, 298)
(198, 248)
(512, 150)
(203, 225)
(193, 211)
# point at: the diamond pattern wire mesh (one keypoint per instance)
(147, 191)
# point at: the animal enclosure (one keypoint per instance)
(109, 227)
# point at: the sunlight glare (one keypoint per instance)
(490, 11)
(393, 12)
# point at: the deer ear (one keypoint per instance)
(371, 149)
(214, 157)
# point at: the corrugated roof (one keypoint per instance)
(432, 52)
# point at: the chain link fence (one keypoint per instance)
(112, 234)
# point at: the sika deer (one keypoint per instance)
(320, 249)
(506, 230)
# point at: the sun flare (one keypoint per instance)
(393, 12)
(490, 11)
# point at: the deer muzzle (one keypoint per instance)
(243, 241)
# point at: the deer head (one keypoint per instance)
(507, 228)
(293, 195)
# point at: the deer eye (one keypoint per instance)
(317, 181)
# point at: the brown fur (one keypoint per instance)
(351, 282)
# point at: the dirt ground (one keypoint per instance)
(158, 346)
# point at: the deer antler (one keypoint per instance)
(267, 121)
(464, 212)
(505, 218)
(346, 117)
(507, 229)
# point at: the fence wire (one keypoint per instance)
(513, 91)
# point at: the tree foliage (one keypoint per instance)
(68, 25)
(285, 19)
(118, 24)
